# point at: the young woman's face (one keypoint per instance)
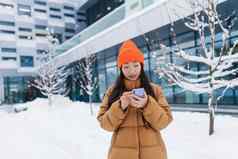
(131, 70)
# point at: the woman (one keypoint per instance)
(134, 120)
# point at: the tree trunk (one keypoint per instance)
(50, 100)
(91, 106)
(211, 111)
(73, 90)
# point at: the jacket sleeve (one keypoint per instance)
(110, 119)
(157, 112)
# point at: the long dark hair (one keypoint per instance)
(119, 86)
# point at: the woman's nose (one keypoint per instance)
(132, 72)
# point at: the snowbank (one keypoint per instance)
(68, 131)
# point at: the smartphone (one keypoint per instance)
(139, 92)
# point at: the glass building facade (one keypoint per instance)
(23, 41)
(106, 69)
(188, 40)
(100, 9)
(18, 89)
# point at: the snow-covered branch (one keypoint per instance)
(88, 82)
(193, 58)
(51, 80)
(218, 66)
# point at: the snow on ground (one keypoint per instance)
(68, 131)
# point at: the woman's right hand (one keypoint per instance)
(125, 99)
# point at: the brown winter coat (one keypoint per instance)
(136, 132)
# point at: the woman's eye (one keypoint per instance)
(136, 65)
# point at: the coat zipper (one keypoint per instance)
(138, 134)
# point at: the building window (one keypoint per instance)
(26, 61)
(4, 5)
(102, 83)
(25, 29)
(69, 15)
(7, 31)
(59, 37)
(11, 50)
(54, 9)
(40, 27)
(81, 14)
(68, 30)
(69, 8)
(25, 37)
(100, 9)
(40, 51)
(67, 37)
(40, 10)
(40, 3)
(41, 35)
(6, 23)
(111, 75)
(82, 20)
(24, 9)
(9, 58)
(55, 16)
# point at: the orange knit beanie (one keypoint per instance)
(129, 52)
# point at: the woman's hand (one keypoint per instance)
(125, 99)
(138, 102)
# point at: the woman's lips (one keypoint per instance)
(132, 76)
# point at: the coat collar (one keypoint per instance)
(132, 84)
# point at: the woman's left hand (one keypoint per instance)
(138, 102)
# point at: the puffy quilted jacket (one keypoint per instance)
(136, 131)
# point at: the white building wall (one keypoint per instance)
(1, 90)
(28, 47)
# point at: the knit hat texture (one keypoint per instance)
(129, 52)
